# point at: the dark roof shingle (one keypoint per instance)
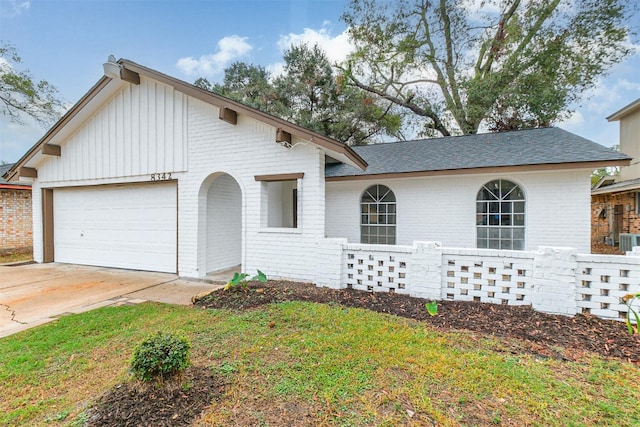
(518, 148)
(4, 169)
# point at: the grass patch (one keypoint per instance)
(313, 364)
(12, 257)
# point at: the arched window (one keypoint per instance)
(500, 210)
(378, 216)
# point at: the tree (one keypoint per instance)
(312, 96)
(509, 65)
(309, 94)
(245, 83)
(600, 173)
(21, 94)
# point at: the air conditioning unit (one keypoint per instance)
(628, 241)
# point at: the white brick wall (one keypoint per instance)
(243, 151)
(443, 208)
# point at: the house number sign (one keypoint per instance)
(164, 176)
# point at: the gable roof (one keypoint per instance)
(3, 170)
(534, 149)
(107, 85)
(624, 111)
(4, 184)
(618, 187)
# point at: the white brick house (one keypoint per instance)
(148, 172)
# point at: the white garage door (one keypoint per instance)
(124, 226)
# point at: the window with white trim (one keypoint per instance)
(378, 216)
(500, 215)
(279, 200)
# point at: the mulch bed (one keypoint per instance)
(545, 335)
(176, 402)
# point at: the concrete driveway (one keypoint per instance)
(34, 294)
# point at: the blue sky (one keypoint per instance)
(66, 42)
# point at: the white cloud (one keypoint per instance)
(337, 48)
(275, 69)
(575, 120)
(12, 8)
(230, 48)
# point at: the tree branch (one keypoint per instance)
(437, 123)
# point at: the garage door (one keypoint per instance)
(124, 226)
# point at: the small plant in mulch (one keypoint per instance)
(432, 307)
(160, 356)
(628, 300)
(241, 281)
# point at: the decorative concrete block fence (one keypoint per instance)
(552, 279)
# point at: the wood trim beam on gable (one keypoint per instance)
(279, 177)
(283, 136)
(228, 115)
(27, 172)
(129, 76)
(51, 150)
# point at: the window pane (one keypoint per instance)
(506, 244)
(506, 188)
(518, 194)
(505, 234)
(518, 220)
(518, 207)
(494, 233)
(506, 220)
(483, 232)
(518, 233)
(494, 244)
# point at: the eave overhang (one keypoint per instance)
(483, 170)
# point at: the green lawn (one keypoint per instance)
(16, 257)
(344, 367)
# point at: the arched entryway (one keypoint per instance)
(221, 223)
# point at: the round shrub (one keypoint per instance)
(160, 356)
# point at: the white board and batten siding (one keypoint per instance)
(141, 130)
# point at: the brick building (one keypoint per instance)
(15, 215)
(615, 200)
